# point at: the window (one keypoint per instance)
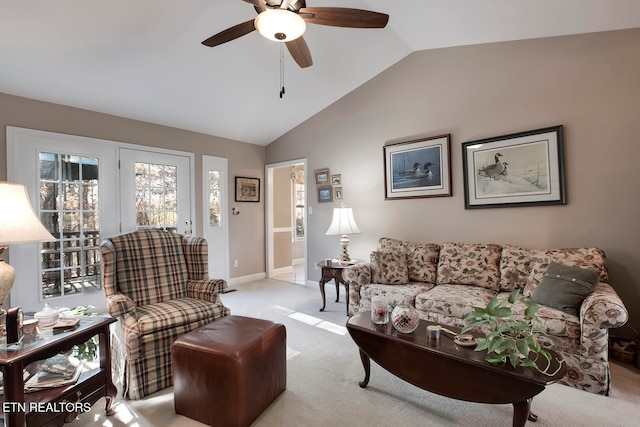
(69, 209)
(156, 196)
(298, 193)
(214, 198)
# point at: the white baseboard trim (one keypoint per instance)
(245, 279)
(283, 270)
(298, 261)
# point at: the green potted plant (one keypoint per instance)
(509, 338)
(86, 352)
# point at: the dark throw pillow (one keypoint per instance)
(565, 287)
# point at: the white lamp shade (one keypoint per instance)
(342, 222)
(18, 221)
(280, 25)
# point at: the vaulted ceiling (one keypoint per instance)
(144, 59)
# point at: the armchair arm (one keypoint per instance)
(119, 304)
(356, 276)
(207, 290)
(601, 310)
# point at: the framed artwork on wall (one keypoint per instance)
(337, 193)
(325, 194)
(419, 168)
(520, 169)
(336, 179)
(322, 176)
(247, 189)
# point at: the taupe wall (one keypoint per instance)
(588, 83)
(246, 230)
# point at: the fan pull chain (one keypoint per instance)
(281, 70)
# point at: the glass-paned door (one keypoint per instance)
(155, 191)
(71, 181)
(69, 209)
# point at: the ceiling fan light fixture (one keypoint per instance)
(280, 25)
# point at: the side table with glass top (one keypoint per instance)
(57, 406)
(333, 270)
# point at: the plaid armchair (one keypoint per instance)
(157, 286)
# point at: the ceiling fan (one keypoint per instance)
(285, 21)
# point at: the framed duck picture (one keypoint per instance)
(520, 169)
(418, 168)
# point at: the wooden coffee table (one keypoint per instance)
(447, 368)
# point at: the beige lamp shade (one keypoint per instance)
(343, 223)
(18, 224)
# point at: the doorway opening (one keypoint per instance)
(286, 221)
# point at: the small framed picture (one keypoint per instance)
(337, 193)
(336, 179)
(520, 169)
(322, 176)
(325, 194)
(247, 189)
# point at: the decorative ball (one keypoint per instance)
(405, 318)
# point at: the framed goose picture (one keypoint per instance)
(520, 169)
(419, 168)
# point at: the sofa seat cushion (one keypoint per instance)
(554, 322)
(474, 264)
(157, 317)
(393, 294)
(453, 300)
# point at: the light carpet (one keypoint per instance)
(324, 367)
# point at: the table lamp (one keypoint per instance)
(343, 224)
(18, 224)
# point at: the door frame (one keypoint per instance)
(269, 229)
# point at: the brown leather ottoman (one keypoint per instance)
(228, 372)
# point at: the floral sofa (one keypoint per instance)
(445, 281)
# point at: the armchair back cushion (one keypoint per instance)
(150, 266)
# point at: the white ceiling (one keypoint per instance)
(143, 59)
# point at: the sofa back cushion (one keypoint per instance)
(516, 264)
(387, 244)
(589, 258)
(476, 264)
(422, 261)
(389, 268)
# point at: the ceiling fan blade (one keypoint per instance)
(285, 4)
(230, 34)
(300, 52)
(344, 17)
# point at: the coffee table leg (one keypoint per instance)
(366, 364)
(522, 413)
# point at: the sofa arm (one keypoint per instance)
(206, 290)
(119, 304)
(355, 276)
(601, 310)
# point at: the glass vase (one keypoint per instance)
(405, 318)
(379, 311)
